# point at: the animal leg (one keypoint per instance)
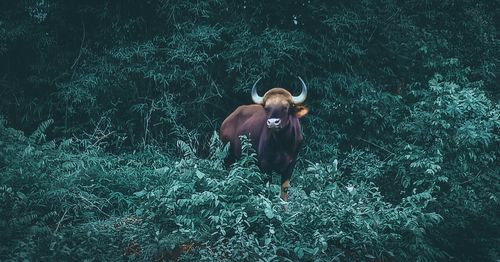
(284, 189)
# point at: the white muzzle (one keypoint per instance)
(273, 123)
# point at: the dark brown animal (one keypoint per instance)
(273, 126)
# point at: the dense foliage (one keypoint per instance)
(121, 100)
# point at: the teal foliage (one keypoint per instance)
(120, 101)
(77, 202)
(451, 143)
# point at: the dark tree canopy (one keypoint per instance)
(108, 111)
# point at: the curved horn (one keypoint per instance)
(302, 97)
(255, 97)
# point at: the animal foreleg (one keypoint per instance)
(284, 189)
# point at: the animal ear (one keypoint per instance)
(300, 111)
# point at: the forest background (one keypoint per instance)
(110, 111)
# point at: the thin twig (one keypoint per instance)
(60, 221)
(92, 204)
(81, 46)
(472, 178)
(103, 137)
(376, 145)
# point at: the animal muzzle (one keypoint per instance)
(274, 123)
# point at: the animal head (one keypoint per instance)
(279, 105)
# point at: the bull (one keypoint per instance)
(273, 126)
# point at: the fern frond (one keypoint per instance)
(186, 150)
(39, 134)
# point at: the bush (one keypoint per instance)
(71, 200)
(403, 126)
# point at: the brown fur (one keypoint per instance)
(276, 149)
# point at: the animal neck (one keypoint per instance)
(275, 136)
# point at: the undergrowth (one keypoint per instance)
(70, 200)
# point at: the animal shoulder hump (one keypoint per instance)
(248, 111)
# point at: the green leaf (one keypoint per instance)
(300, 252)
(200, 174)
(140, 193)
(269, 212)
